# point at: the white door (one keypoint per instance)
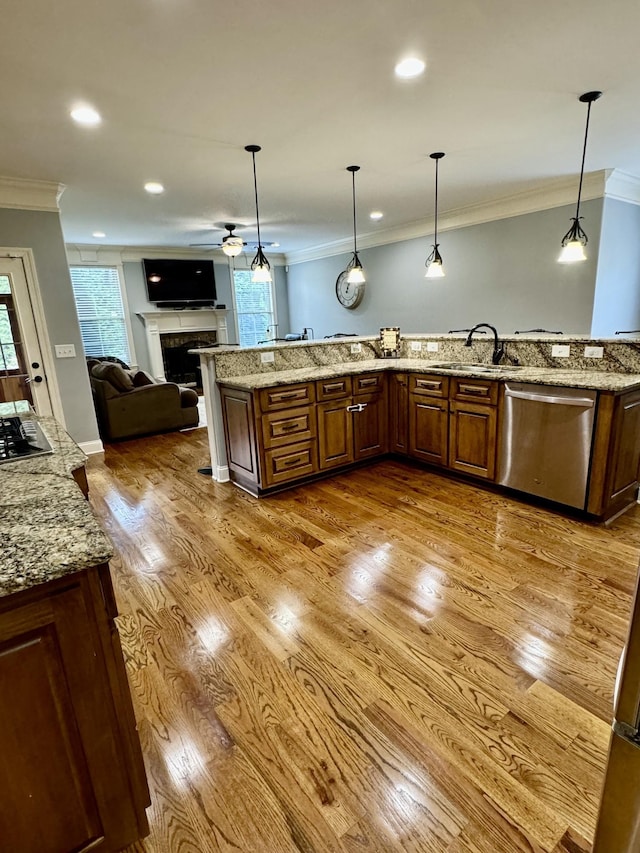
(22, 375)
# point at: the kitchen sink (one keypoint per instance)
(477, 368)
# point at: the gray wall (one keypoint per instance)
(41, 232)
(503, 272)
(617, 298)
(138, 302)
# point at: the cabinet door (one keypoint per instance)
(370, 426)
(428, 429)
(472, 439)
(399, 413)
(240, 435)
(335, 433)
(622, 480)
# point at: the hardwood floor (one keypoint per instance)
(385, 661)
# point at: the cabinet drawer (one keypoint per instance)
(333, 389)
(289, 463)
(368, 384)
(474, 390)
(285, 396)
(289, 426)
(430, 386)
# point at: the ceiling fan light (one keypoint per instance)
(232, 246)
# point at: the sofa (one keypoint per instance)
(131, 403)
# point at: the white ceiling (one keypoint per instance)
(184, 85)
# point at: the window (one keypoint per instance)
(254, 309)
(8, 329)
(101, 312)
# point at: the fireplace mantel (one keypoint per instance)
(157, 323)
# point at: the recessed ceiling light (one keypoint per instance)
(98, 234)
(376, 214)
(410, 67)
(86, 116)
(154, 187)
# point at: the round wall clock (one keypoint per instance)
(349, 295)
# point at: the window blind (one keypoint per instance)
(100, 311)
(254, 307)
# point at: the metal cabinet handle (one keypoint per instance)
(291, 395)
(289, 426)
(422, 383)
(473, 389)
(365, 382)
(353, 408)
(333, 386)
(293, 461)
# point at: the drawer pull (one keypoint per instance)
(288, 426)
(293, 461)
(333, 386)
(423, 383)
(474, 389)
(366, 382)
(290, 395)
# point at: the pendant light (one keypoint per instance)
(434, 261)
(232, 245)
(355, 273)
(260, 266)
(575, 239)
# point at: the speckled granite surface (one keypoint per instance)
(47, 528)
(598, 380)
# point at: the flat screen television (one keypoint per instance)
(181, 283)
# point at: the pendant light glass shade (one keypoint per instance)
(434, 261)
(574, 241)
(355, 272)
(260, 266)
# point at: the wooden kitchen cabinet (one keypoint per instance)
(613, 482)
(370, 432)
(398, 430)
(71, 771)
(353, 427)
(429, 418)
(335, 433)
(472, 439)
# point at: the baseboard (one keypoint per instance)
(91, 447)
(221, 474)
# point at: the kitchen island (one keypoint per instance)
(320, 410)
(71, 768)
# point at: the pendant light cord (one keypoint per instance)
(255, 187)
(584, 154)
(353, 189)
(435, 235)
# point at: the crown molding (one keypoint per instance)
(25, 194)
(623, 187)
(547, 195)
(91, 253)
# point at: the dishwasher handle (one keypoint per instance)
(583, 402)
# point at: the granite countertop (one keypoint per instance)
(596, 380)
(47, 528)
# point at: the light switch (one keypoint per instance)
(266, 357)
(433, 346)
(561, 351)
(356, 348)
(65, 351)
(416, 346)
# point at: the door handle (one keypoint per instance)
(28, 380)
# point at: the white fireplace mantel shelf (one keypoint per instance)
(157, 323)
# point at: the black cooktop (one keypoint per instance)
(20, 439)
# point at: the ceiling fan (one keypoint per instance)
(232, 244)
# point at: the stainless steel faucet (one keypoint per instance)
(498, 348)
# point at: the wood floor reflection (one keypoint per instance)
(385, 661)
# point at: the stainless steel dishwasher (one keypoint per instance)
(545, 445)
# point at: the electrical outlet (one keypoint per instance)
(594, 352)
(560, 351)
(416, 346)
(65, 351)
(433, 346)
(267, 357)
(356, 347)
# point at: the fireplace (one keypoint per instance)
(167, 329)
(179, 365)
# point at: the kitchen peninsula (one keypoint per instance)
(71, 771)
(320, 407)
